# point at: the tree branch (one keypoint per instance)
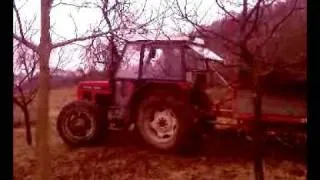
(226, 11)
(22, 37)
(17, 102)
(70, 41)
(199, 28)
(19, 20)
(26, 43)
(255, 24)
(83, 5)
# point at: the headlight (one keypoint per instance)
(97, 87)
(92, 87)
(86, 87)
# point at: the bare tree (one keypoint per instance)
(24, 68)
(254, 31)
(43, 50)
(119, 20)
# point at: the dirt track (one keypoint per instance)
(123, 156)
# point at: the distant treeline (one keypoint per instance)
(65, 78)
(286, 50)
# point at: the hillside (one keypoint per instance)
(286, 50)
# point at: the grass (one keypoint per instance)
(123, 156)
(58, 98)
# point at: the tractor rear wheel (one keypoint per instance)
(166, 122)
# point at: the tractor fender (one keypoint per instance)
(181, 90)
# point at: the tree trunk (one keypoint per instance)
(26, 115)
(27, 123)
(258, 130)
(248, 58)
(42, 125)
(258, 160)
(114, 64)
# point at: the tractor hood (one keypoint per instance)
(95, 85)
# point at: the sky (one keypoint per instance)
(64, 19)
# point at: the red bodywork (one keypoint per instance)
(274, 118)
(103, 87)
(93, 87)
(266, 117)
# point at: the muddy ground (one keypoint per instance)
(124, 156)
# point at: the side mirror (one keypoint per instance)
(189, 77)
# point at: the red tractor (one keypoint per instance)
(159, 88)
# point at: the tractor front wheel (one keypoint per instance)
(80, 124)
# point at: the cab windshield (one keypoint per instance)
(129, 65)
(163, 61)
(159, 62)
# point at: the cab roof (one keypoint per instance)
(197, 47)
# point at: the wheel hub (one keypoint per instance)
(164, 124)
(79, 125)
